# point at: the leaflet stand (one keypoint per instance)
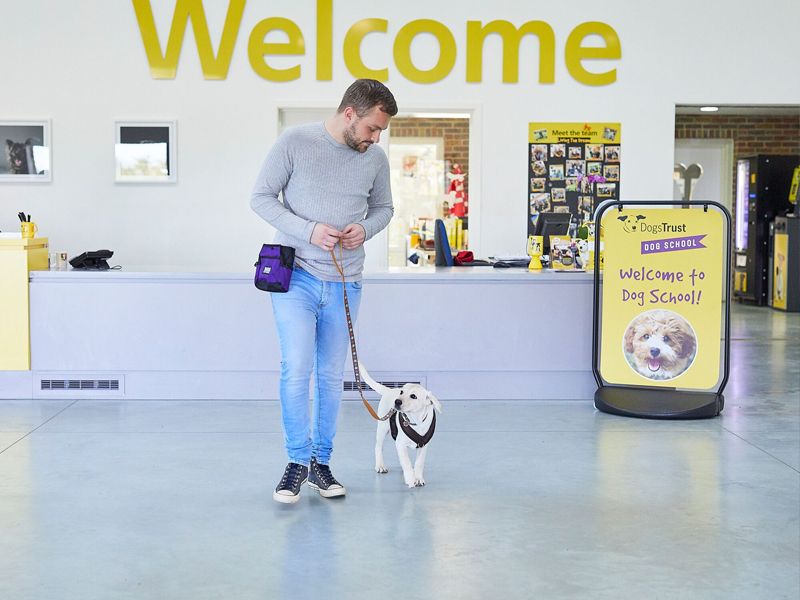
(18, 257)
(649, 401)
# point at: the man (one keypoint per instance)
(336, 195)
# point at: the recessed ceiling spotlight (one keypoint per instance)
(709, 108)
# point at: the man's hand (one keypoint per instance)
(353, 236)
(325, 236)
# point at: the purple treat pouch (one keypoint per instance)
(274, 268)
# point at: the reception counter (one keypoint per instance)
(466, 333)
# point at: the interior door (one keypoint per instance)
(716, 158)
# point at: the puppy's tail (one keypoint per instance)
(370, 381)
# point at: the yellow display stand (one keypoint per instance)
(17, 258)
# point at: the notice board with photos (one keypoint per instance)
(571, 168)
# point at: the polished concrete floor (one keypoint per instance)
(172, 500)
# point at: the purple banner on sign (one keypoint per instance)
(691, 242)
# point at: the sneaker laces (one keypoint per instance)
(324, 474)
(291, 475)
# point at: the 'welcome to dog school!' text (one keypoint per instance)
(690, 293)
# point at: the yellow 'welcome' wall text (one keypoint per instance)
(163, 65)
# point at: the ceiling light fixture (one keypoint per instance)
(709, 108)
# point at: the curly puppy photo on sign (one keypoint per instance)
(659, 344)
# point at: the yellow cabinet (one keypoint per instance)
(17, 258)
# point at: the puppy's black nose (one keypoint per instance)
(398, 403)
(654, 352)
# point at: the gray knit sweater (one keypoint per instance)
(322, 181)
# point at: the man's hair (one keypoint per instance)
(364, 94)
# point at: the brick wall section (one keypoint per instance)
(750, 134)
(454, 131)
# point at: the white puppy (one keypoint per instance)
(414, 424)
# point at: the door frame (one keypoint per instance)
(473, 112)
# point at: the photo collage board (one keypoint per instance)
(571, 168)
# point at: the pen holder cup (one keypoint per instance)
(29, 229)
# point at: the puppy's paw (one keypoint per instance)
(419, 482)
(381, 469)
(411, 484)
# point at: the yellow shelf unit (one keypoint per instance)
(18, 257)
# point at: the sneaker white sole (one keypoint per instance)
(286, 498)
(340, 491)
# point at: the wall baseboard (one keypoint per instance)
(263, 385)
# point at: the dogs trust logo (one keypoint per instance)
(632, 224)
(638, 224)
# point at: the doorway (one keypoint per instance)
(718, 137)
(432, 164)
(429, 157)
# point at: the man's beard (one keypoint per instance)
(351, 139)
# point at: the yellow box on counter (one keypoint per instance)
(18, 257)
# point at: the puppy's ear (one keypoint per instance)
(630, 333)
(688, 344)
(435, 401)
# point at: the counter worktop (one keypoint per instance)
(405, 274)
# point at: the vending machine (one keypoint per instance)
(785, 264)
(762, 193)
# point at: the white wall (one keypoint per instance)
(83, 65)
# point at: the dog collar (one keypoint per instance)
(419, 440)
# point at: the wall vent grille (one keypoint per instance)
(351, 386)
(110, 385)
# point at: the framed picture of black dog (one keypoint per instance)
(26, 155)
(145, 152)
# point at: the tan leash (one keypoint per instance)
(353, 351)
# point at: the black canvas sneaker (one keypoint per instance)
(288, 490)
(321, 479)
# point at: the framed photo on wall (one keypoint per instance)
(145, 151)
(26, 155)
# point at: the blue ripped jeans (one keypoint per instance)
(312, 329)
